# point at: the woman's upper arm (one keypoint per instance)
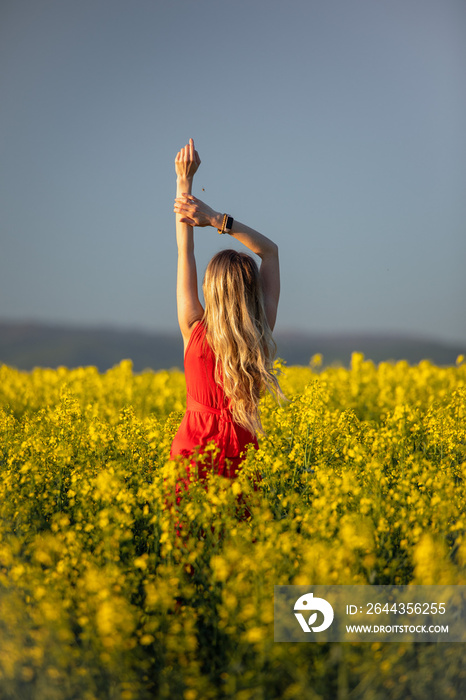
(189, 307)
(270, 278)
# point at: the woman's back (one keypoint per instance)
(199, 367)
(207, 416)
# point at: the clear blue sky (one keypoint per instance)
(337, 128)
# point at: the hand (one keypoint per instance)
(195, 212)
(187, 162)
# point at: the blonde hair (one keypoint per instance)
(239, 334)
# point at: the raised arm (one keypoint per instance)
(194, 212)
(189, 307)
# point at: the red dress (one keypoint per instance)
(207, 416)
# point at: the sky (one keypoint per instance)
(335, 128)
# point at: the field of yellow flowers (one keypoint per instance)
(363, 475)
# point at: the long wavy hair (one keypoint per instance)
(239, 335)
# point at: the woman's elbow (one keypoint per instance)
(271, 251)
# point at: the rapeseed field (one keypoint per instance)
(111, 590)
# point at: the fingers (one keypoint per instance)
(187, 207)
(181, 155)
(189, 153)
(186, 198)
(185, 201)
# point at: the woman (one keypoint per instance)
(228, 346)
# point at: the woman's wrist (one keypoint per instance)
(184, 185)
(216, 220)
(184, 181)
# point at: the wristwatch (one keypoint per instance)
(227, 223)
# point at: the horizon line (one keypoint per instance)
(118, 327)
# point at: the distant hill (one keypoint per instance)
(28, 345)
(298, 348)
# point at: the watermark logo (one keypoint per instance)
(367, 613)
(307, 603)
